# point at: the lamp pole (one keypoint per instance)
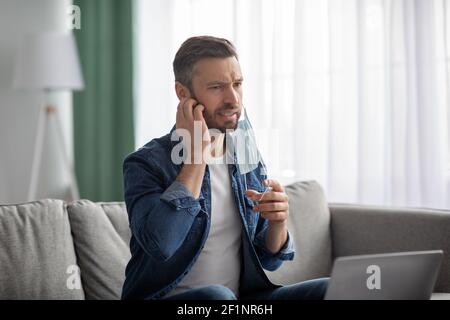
(46, 114)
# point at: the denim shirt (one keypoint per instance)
(169, 226)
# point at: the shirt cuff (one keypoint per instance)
(285, 253)
(181, 197)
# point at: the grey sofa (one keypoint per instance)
(50, 249)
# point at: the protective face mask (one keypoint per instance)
(247, 153)
(244, 143)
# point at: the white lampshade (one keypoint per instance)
(48, 61)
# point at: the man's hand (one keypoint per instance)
(190, 111)
(273, 206)
(191, 175)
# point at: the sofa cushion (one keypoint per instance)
(37, 256)
(101, 236)
(309, 226)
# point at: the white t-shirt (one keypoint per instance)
(220, 260)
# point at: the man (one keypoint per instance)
(195, 235)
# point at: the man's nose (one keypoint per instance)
(231, 96)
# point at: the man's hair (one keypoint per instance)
(196, 48)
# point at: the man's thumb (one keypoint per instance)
(198, 112)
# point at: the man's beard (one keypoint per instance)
(210, 118)
(211, 122)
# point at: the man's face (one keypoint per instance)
(217, 84)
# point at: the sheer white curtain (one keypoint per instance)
(351, 93)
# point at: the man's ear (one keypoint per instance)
(182, 91)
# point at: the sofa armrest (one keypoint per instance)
(361, 229)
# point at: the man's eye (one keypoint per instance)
(215, 87)
(238, 84)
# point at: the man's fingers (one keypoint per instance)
(271, 206)
(268, 196)
(251, 193)
(188, 107)
(276, 186)
(275, 216)
(187, 111)
(198, 112)
(180, 115)
(181, 103)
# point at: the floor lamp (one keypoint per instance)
(49, 62)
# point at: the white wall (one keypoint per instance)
(19, 109)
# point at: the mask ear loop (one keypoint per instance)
(264, 168)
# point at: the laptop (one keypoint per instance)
(391, 276)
